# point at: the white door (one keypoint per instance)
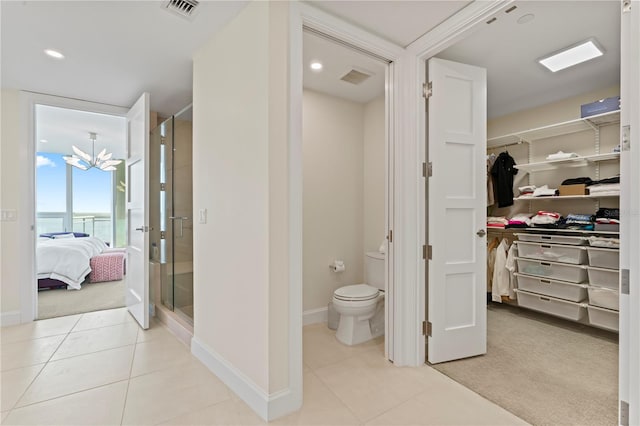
(456, 306)
(137, 164)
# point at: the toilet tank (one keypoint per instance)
(374, 269)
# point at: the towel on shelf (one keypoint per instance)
(605, 189)
(544, 191)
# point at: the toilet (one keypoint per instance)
(361, 306)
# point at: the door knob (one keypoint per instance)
(481, 233)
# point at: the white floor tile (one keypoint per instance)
(97, 339)
(446, 403)
(156, 330)
(158, 354)
(166, 394)
(37, 329)
(104, 319)
(370, 385)
(28, 352)
(231, 413)
(320, 407)
(70, 375)
(98, 406)
(13, 383)
(3, 415)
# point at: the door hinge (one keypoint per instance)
(427, 252)
(390, 237)
(163, 187)
(427, 90)
(426, 328)
(624, 281)
(624, 413)
(626, 6)
(163, 235)
(427, 169)
(626, 138)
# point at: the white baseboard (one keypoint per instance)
(315, 316)
(267, 406)
(10, 318)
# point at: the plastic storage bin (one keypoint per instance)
(604, 297)
(604, 258)
(603, 277)
(560, 289)
(604, 318)
(553, 270)
(555, 239)
(550, 305)
(556, 253)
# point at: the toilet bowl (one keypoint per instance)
(361, 306)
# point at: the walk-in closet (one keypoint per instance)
(553, 188)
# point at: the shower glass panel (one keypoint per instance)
(172, 212)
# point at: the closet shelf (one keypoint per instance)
(568, 162)
(566, 197)
(564, 128)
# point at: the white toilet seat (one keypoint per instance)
(356, 293)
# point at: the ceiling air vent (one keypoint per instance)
(183, 8)
(355, 77)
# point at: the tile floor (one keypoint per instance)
(100, 368)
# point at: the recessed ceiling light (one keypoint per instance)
(316, 65)
(526, 18)
(44, 140)
(54, 53)
(572, 55)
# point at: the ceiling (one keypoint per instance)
(116, 50)
(509, 51)
(337, 61)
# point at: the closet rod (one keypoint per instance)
(520, 142)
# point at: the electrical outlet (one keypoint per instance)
(202, 214)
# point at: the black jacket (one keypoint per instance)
(503, 171)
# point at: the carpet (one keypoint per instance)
(91, 297)
(546, 370)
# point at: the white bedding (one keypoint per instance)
(67, 259)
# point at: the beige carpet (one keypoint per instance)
(91, 297)
(545, 370)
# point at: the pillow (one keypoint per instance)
(69, 235)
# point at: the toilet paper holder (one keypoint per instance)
(337, 266)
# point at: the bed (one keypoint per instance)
(66, 260)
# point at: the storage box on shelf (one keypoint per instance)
(552, 305)
(602, 277)
(556, 288)
(603, 318)
(604, 257)
(553, 252)
(553, 270)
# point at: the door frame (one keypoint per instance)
(27, 185)
(308, 16)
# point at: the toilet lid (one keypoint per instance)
(356, 292)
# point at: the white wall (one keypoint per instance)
(374, 174)
(343, 191)
(10, 198)
(333, 167)
(240, 156)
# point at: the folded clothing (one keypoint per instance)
(614, 179)
(578, 219)
(577, 181)
(544, 191)
(520, 219)
(526, 190)
(545, 218)
(561, 155)
(605, 188)
(497, 221)
(609, 212)
(603, 220)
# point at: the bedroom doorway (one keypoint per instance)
(80, 210)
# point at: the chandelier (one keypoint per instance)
(84, 161)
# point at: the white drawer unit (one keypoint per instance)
(553, 239)
(602, 277)
(576, 255)
(604, 258)
(551, 305)
(560, 289)
(604, 297)
(553, 270)
(604, 318)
